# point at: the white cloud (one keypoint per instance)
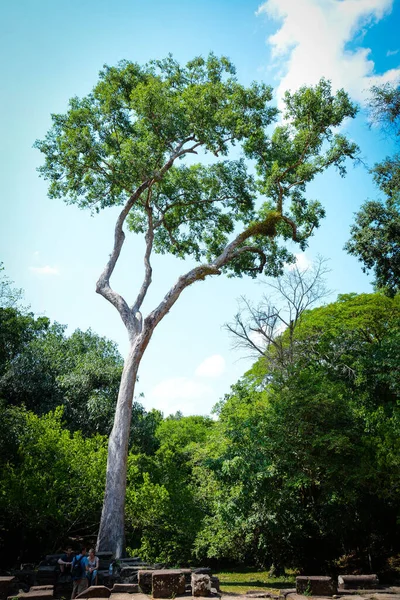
(302, 262)
(311, 43)
(47, 270)
(392, 52)
(184, 394)
(213, 366)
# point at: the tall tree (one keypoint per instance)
(375, 234)
(123, 145)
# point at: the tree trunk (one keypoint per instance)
(111, 536)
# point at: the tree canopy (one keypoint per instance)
(123, 144)
(375, 234)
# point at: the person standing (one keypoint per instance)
(92, 567)
(78, 573)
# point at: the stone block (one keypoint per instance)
(39, 588)
(168, 583)
(315, 585)
(202, 571)
(201, 584)
(188, 575)
(38, 595)
(47, 574)
(125, 596)
(356, 582)
(286, 591)
(145, 580)
(215, 583)
(95, 591)
(8, 586)
(52, 559)
(125, 588)
(27, 577)
(105, 558)
(129, 571)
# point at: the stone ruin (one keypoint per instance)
(132, 576)
(129, 576)
(346, 587)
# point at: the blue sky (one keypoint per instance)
(52, 50)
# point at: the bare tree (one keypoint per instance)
(257, 328)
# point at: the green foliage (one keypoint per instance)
(121, 145)
(303, 461)
(9, 296)
(300, 467)
(51, 482)
(162, 513)
(375, 241)
(375, 233)
(17, 330)
(41, 368)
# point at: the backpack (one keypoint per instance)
(77, 569)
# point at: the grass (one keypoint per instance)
(240, 582)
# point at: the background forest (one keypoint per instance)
(299, 468)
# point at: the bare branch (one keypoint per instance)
(256, 328)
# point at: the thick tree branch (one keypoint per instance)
(293, 226)
(266, 227)
(147, 266)
(103, 287)
(103, 284)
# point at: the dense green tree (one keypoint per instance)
(51, 483)
(123, 145)
(144, 425)
(17, 330)
(163, 514)
(302, 465)
(375, 234)
(42, 368)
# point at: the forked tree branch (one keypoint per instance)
(147, 265)
(266, 227)
(128, 316)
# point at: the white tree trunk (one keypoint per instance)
(111, 536)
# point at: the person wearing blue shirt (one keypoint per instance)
(78, 572)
